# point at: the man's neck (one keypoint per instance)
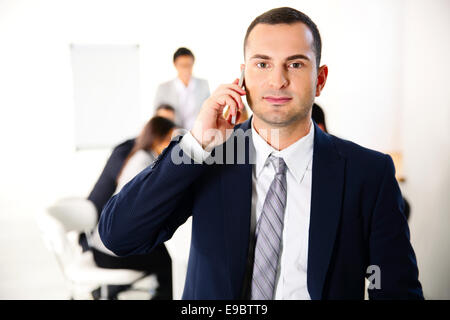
(185, 81)
(282, 137)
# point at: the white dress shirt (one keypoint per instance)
(291, 282)
(140, 160)
(186, 102)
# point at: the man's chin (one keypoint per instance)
(279, 120)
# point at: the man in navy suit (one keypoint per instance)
(281, 210)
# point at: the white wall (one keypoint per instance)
(426, 139)
(386, 75)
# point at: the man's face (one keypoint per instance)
(184, 65)
(280, 73)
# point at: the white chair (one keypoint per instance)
(60, 226)
(178, 247)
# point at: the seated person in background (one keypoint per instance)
(155, 136)
(319, 117)
(127, 158)
(107, 182)
(166, 111)
(407, 209)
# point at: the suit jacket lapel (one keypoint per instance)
(326, 201)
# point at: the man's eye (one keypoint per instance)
(296, 65)
(262, 65)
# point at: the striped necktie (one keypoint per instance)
(269, 231)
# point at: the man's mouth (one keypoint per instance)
(277, 99)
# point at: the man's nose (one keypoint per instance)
(278, 78)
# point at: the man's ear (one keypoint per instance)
(322, 75)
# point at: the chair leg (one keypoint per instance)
(104, 292)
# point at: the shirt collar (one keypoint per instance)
(297, 156)
(180, 85)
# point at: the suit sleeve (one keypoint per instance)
(149, 208)
(390, 247)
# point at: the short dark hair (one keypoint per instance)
(182, 52)
(286, 15)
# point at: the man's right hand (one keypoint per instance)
(211, 128)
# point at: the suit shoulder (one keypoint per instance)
(165, 84)
(359, 155)
(202, 82)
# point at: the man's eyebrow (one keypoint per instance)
(261, 56)
(294, 57)
(297, 56)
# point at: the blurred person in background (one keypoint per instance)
(155, 136)
(126, 161)
(107, 182)
(319, 117)
(185, 93)
(166, 111)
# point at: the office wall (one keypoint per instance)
(374, 95)
(426, 139)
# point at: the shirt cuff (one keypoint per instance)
(193, 148)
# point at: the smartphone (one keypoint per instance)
(241, 84)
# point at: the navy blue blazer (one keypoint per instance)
(356, 221)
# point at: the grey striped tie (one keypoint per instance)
(269, 232)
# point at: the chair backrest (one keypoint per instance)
(60, 225)
(75, 214)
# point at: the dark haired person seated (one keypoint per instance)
(319, 117)
(127, 160)
(166, 111)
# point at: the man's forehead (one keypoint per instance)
(280, 40)
(184, 59)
